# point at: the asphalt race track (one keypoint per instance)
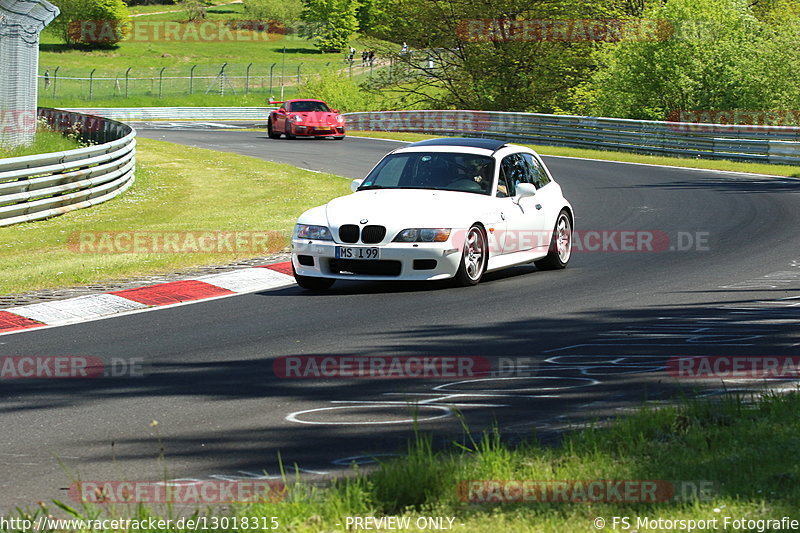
(597, 336)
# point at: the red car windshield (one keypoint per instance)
(307, 107)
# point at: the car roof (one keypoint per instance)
(467, 142)
(304, 100)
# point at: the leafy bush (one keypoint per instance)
(719, 56)
(339, 90)
(285, 11)
(92, 23)
(195, 9)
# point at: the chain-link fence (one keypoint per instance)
(21, 21)
(181, 80)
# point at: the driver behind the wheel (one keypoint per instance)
(481, 174)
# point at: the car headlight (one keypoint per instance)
(316, 233)
(339, 118)
(423, 235)
(297, 118)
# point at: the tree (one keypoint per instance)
(465, 56)
(330, 23)
(372, 16)
(719, 56)
(91, 23)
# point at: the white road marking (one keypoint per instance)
(248, 280)
(293, 417)
(77, 309)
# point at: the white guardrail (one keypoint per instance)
(45, 185)
(178, 113)
(766, 144)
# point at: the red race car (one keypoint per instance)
(305, 118)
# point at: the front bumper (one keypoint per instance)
(398, 261)
(318, 129)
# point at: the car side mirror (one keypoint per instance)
(355, 184)
(526, 189)
(336, 111)
(282, 111)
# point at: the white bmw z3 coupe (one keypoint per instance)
(438, 209)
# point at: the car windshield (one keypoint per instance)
(443, 171)
(308, 106)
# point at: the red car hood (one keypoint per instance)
(317, 117)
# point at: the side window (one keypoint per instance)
(505, 185)
(538, 173)
(521, 171)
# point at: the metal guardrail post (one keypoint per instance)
(191, 79)
(91, 83)
(247, 80)
(270, 78)
(283, 70)
(161, 82)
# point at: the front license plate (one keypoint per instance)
(352, 252)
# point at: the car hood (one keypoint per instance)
(317, 117)
(399, 209)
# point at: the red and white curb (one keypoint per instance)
(95, 306)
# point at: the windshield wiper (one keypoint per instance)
(369, 187)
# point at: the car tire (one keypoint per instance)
(271, 134)
(289, 134)
(473, 258)
(560, 245)
(313, 283)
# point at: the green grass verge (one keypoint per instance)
(176, 9)
(607, 155)
(146, 51)
(46, 141)
(195, 100)
(177, 188)
(742, 453)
